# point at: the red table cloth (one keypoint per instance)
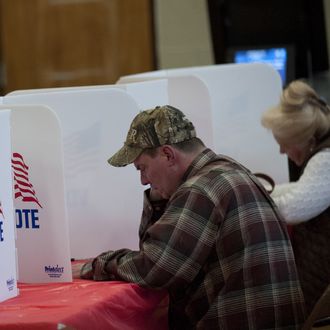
(83, 304)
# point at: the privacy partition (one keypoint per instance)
(78, 206)
(38, 194)
(8, 275)
(239, 94)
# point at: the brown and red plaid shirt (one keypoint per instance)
(220, 249)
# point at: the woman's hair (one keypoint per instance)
(300, 115)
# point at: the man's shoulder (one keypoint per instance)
(220, 174)
(211, 170)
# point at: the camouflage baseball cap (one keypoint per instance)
(153, 128)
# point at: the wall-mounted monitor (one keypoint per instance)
(281, 58)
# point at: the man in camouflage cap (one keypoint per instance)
(151, 129)
(209, 234)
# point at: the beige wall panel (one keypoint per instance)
(183, 36)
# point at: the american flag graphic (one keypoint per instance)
(82, 151)
(1, 213)
(22, 186)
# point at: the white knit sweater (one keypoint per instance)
(308, 197)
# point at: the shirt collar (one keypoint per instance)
(205, 157)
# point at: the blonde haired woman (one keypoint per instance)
(300, 124)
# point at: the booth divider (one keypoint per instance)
(8, 273)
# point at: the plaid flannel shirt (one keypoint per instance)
(220, 249)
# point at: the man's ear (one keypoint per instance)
(170, 153)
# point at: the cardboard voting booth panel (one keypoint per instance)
(147, 94)
(38, 193)
(22, 92)
(190, 94)
(239, 93)
(95, 121)
(8, 273)
(150, 93)
(104, 203)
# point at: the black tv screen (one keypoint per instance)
(279, 57)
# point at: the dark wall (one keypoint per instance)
(301, 23)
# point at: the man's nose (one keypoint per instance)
(144, 180)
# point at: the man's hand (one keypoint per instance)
(76, 268)
(154, 195)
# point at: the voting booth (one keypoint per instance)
(67, 134)
(239, 94)
(188, 93)
(104, 203)
(38, 194)
(8, 274)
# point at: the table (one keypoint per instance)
(84, 304)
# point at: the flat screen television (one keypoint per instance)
(281, 58)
